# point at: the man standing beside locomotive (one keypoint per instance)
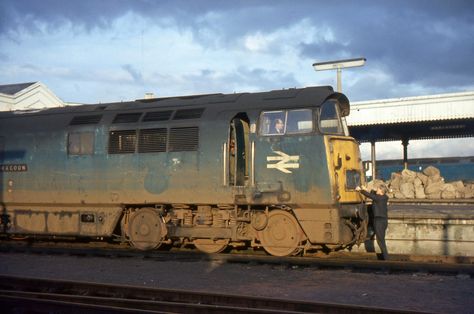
(379, 207)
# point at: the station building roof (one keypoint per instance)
(12, 89)
(421, 117)
(25, 96)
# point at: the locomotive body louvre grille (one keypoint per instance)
(183, 114)
(157, 116)
(122, 142)
(89, 119)
(183, 139)
(127, 117)
(152, 140)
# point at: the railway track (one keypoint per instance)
(338, 260)
(26, 295)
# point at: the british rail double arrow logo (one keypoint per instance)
(284, 162)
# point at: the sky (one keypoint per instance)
(91, 51)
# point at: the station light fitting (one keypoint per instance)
(339, 64)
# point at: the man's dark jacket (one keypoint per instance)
(379, 205)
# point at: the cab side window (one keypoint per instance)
(283, 122)
(273, 123)
(299, 121)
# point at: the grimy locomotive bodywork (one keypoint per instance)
(209, 170)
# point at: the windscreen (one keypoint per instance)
(329, 118)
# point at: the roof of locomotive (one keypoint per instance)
(313, 96)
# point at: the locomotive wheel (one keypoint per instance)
(146, 229)
(210, 246)
(282, 235)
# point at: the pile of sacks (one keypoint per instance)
(426, 184)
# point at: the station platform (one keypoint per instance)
(428, 229)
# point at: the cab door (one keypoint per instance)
(345, 164)
(239, 151)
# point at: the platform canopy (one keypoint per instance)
(412, 118)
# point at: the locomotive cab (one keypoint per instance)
(306, 161)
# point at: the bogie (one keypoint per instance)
(212, 228)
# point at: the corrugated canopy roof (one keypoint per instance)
(412, 109)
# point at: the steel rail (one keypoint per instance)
(355, 261)
(33, 293)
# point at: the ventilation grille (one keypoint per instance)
(122, 142)
(152, 141)
(188, 114)
(157, 116)
(80, 120)
(183, 139)
(127, 117)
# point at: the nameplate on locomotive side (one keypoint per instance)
(14, 168)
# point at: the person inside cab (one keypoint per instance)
(279, 126)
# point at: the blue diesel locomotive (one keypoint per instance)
(273, 169)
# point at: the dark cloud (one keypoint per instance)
(89, 14)
(428, 42)
(30, 15)
(240, 16)
(424, 42)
